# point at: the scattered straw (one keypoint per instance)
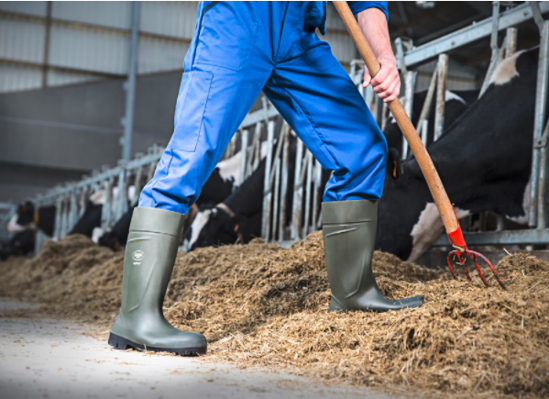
(262, 305)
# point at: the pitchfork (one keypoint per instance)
(444, 206)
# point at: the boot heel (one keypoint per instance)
(335, 306)
(119, 342)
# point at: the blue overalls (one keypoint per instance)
(238, 50)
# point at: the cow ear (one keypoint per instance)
(394, 164)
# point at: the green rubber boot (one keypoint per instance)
(349, 229)
(150, 256)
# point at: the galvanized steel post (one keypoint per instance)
(308, 193)
(298, 193)
(494, 45)
(122, 199)
(284, 186)
(409, 104)
(426, 109)
(266, 219)
(244, 152)
(441, 95)
(58, 219)
(539, 122)
(511, 44)
(129, 85)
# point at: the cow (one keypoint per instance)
(27, 218)
(237, 218)
(21, 244)
(484, 161)
(117, 236)
(89, 220)
(455, 105)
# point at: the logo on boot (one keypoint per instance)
(138, 255)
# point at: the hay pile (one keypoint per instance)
(262, 305)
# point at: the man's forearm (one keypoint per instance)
(386, 84)
(373, 23)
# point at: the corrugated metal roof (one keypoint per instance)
(89, 49)
(116, 14)
(25, 7)
(21, 39)
(15, 77)
(169, 18)
(160, 55)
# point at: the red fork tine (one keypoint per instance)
(462, 252)
(461, 259)
(448, 259)
(475, 256)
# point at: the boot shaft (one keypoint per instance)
(149, 258)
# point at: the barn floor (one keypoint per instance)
(42, 357)
(261, 306)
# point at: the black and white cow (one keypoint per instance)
(26, 218)
(21, 244)
(484, 161)
(456, 102)
(237, 218)
(89, 220)
(117, 236)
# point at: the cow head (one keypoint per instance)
(25, 213)
(212, 226)
(111, 240)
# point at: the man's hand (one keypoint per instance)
(386, 84)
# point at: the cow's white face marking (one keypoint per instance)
(14, 227)
(449, 95)
(98, 198)
(131, 193)
(525, 206)
(506, 71)
(97, 233)
(428, 228)
(198, 224)
(229, 169)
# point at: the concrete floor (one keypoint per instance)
(41, 358)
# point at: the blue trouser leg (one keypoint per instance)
(318, 99)
(220, 83)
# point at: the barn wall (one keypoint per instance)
(71, 130)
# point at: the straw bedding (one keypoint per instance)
(262, 305)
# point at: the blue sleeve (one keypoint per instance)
(358, 6)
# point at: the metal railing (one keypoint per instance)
(306, 191)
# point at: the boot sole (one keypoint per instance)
(122, 343)
(336, 307)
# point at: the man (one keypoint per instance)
(238, 50)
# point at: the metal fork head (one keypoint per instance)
(476, 257)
